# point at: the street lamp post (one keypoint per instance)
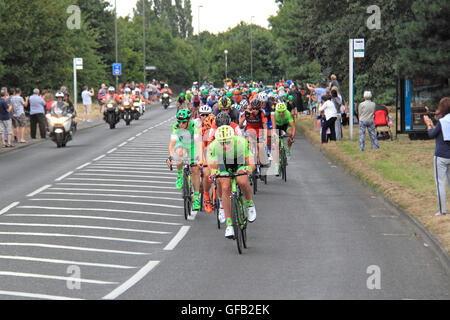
(115, 31)
(251, 48)
(199, 75)
(226, 64)
(143, 34)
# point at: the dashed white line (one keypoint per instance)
(34, 295)
(178, 237)
(6, 209)
(83, 166)
(112, 150)
(122, 144)
(111, 190)
(139, 134)
(51, 246)
(64, 176)
(121, 180)
(131, 139)
(56, 261)
(44, 276)
(112, 195)
(132, 281)
(101, 157)
(39, 190)
(114, 185)
(111, 201)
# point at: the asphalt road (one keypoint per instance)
(101, 220)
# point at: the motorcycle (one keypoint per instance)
(125, 111)
(137, 109)
(111, 114)
(60, 125)
(166, 100)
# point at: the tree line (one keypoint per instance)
(307, 41)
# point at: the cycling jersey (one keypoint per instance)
(212, 102)
(196, 101)
(181, 100)
(186, 138)
(238, 155)
(284, 122)
(255, 123)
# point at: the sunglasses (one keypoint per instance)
(184, 121)
(204, 115)
(225, 143)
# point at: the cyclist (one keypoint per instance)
(204, 98)
(225, 106)
(269, 110)
(291, 107)
(184, 143)
(212, 100)
(256, 127)
(195, 104)
(231, 154)
(284, 122)
(205, 136)
(181, 101)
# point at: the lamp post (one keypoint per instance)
(251, 48)
(226, 64)
(199, 76)
(115, 31)
(143, 34)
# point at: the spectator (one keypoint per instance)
(334, 83)
(330, 117)
(366, 120)
(337, 104)
(19, 120)
(48, 98)
(442, 153)
(37, 115)
(5, 121)
(86, 96)
(100, 94)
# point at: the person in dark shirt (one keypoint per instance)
(441, 132)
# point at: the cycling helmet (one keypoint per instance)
(137, 90)
(243, 104)
(237, 92)
(182, 94)
(224, 134)
(166, 85)
(223, 119)
(229, 94)
(66, 93)
(184, 115)
(127, 90)
(281, 107)
(262, 96)
(205, 92)
(205, 109)
(59, 95)
(209, 121)
(224, 103)
(256, 104)
(111, 89)
(188, 92)
(291, 98)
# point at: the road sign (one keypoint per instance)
(78, 63)
(358, 48)
(150, 67)
(117, 69)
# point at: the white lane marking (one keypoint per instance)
(34, 295)
(101, 210)
(56, 261)
(64, 176)
(112, 150)
(39, 190)
(51, 246)
(61, 235)
(74, 226)
(121, 165)
(121, 191)
(112, 195)
(132, 281)
(83, 166)
(101, 157)
(145, 131)
(122, 144)
(133, 161)
(124, 175)
(115, 185)
(45, 276)
(121, 180)
(6, 209)
(131, 139)
(178, 237)
(71, 216)
(139, 134)
(146, 169)
(112, 201)
(168, 173)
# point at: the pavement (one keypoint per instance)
(101, 219)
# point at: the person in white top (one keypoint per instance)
(86, 95)
(330, 117)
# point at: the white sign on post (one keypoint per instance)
(358, 48)
(79, 63)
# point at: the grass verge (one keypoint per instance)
(402, 170)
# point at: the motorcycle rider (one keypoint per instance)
(111, 95)
(166, 90)
(70, 109)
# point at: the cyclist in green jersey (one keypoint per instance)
(285, 122)
(185, 146)
(231, 154)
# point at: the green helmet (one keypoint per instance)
(184, 115)
(229, 94)
(182, 94)
(291, 98)
(205, 92)
(286, 95)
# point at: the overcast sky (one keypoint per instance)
(218, 15)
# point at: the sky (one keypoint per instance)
(218, 15)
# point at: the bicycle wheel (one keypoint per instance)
(216, 205)
(243, 223)
(187, 196)
(255, 182)
(285, 166)
(235, 217)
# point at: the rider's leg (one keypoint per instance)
(245, 187)
(226, 198)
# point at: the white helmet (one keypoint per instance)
(205, 109)
(59, 95)
(137, 90)
(166, 85)
(127, 90)
(262, 96)
(111, 89)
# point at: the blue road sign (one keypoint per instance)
(117, 69)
